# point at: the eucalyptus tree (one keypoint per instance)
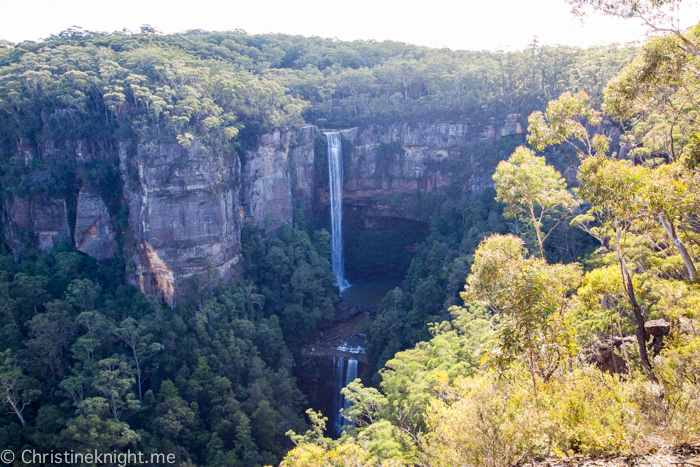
(660, 16)
(531, 298)
(614, 189)
(17, 390)
(139, 343)
(527, 185)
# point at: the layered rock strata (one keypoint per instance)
(43, 217)
(186, 206)
(183, 214)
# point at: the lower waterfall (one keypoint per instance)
(343, 374)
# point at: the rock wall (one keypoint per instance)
(398, 159)
(303, 171)
(183, 214)
(42, 217)
(186, 206)
(378, 170)
(94, 230)
(278, 170)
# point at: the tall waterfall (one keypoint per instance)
(343, 375)
(335, 172)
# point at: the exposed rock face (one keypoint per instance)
(604, 356)
(657, 329)
(265, 197)
(44, 217)
(398, 159)
(183, 214)
(424, 146)
(187, 206)
(512, 126)
(303, 173)
(94, 229)
(281, 168)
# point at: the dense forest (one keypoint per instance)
(539, 317)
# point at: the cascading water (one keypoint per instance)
(335, 173)
(350, 376)
(343, 375)
(338, 399)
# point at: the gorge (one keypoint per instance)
(178, 214)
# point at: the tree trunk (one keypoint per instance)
(138, 371)
(537, 230)
(18, 412)
(640, 332)
(671, 231)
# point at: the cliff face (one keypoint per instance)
(41, 218)
(186, 206)
(396, 160)
(183, 214)
(277, 173)
(94, 229)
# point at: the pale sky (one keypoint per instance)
(465, 24)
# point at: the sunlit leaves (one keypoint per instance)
(531, 296)
(659, 91)
(527, 185)
(564, 122)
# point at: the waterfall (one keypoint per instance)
(350, 376)
(338, 399)
(342, 376)
(335, 173)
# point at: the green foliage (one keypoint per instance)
(527, 185)
(295, 282)
(435, 277)
(115, 370)
(530, 300)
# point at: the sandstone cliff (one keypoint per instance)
(277, 172)
(183, 214)
(41, 218)
(186, 206)
(398, 159)
(95, 232)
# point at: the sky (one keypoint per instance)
(457, 24)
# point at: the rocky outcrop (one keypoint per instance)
(604, 357)
(43, 217)
(657, 329)
(94, 229)
(183, 214)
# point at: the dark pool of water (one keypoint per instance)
(369, 293)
